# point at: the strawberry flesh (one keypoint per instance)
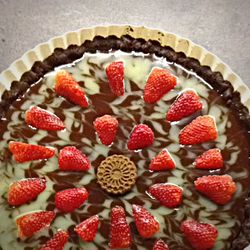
(145, 223)
(43, 119)
(24, 152)
(70, 199)
(57, 242)
(120, 234)
(67, 87)
(202, 129)
(72, 159)
(160, 245)
(186, 104)
(88, 228)
(211, 159)
(106, 127)
(115, 74)
(31, 223)
(141, 137)
(202, 236)
(169, 195)
(25, 190)
(218, 188)
(159, 83)
(163, 161)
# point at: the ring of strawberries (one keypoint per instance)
(202, 129)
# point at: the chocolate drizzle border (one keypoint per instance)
(127, 44)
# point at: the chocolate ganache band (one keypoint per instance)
(128, 44)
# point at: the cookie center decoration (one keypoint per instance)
(117, 174)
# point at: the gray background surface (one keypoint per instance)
(223, 27)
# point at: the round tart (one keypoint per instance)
(124, 142)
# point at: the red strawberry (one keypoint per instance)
(169, 195)
(115, 74)
(142, 136)
(67, 87)
(160, 245)
(163, 161)
(33, 222)
(159, 83)
(145, 223)
(106, 127)
(43, 119)
(202, 236)
(120, 234)
(88, 228)
(186, 104)
(23, 152)
(70, 199)
(58, 241)
(218, 188)
(72, 159)
(211, 159)
(200, 130)
(25, 190)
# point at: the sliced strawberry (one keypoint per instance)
(43, 119)
(159, 83)
(25, 190)
(23, 152)
(163, 161)
(72, 159)
(218, 188)
(70, 199)
(33, 222)
(202, 236)
(200, 130)
(115, 74)
(142, 136)
(120, 234)
(169, 195)
(145, 223)
(186, 104)
(57, 242)
(106, 127)
(211, 159)
(88, 228)
(67, 87)
(160, 245)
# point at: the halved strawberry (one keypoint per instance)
(25, 190)
(70, 199)
(169, 195)
(141, 136)
(115, 74)
(43, 119)
(159, 83)
(200, 130)
(211, 159)
(218, 188)
(106, 127)
(163, 161)
(145, 223)
(30, 223)
(23, 152)
(57, 242)
(88, 228)
(160, 245)
(72, 159)
(202, 236)
(120, 234)
(67, 87)
(185, 105)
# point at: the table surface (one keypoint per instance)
(223, 26)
